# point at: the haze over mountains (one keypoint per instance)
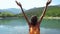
(11, 10)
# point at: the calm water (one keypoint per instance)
(19, 26)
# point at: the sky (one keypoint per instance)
(26, 4)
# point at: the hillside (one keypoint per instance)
(52, 11)
(9, 12)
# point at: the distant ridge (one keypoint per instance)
(11, 10)
(53, 11)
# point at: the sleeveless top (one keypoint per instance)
(34, 29)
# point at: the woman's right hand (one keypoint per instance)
(48, 2)
(19, 4)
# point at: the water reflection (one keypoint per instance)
(24, 30)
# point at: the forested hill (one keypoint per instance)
(52, 11)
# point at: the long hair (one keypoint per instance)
(34, 20)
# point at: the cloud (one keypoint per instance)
(27, 4)
(7, 4)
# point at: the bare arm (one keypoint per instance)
(44, 11)
(23, 12)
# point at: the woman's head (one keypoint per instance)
(33, 20)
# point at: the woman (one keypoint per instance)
(34, 25)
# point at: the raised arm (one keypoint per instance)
(23, 12)
(44, 11)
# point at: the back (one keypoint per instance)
(34, 29)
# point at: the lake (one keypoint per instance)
(19, 26)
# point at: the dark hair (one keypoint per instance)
(34, 20)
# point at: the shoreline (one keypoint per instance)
(51, 17)
(43, 17)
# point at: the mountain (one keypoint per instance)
(52, 11)
(58, 5)
(11, 10)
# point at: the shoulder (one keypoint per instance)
(29, 24)
(38, 24)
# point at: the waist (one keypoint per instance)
(34, 31)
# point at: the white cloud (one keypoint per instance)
(27, 4)
(7, 4)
